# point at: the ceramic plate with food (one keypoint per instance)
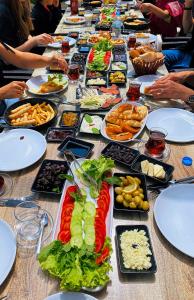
(74, 20)
(47, 84)
(57, 41)
(144, 37)
(124, 122)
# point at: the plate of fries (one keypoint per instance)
(32, 113)
(47, 84)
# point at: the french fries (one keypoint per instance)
(29, 114)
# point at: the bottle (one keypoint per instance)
(74, 7)
(117, 25)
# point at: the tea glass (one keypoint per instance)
(156, 144)
(133, 93)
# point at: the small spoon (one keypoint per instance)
(43, 223)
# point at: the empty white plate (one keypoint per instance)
(20, 148)
(7, 250)
(177, 122)
(173, 212)
(70, 296)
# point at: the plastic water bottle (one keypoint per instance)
(117, 25)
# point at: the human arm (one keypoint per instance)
(34, 41)
(12, 90)
(179, 77)
(188, 17)
(170, 90)
(28, 60)
(160, 13)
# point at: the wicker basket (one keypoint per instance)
(143, 68)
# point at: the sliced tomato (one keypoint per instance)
(98, 244)
(64, 236)
(100, 213)
(104, 255)
(103, 205)
(67, 210)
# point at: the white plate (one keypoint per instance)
(103, 131)
(20, 148)
(58, 44)
(177, 122)
(173, 212)
(7, 250)
(34, 84)
(68, 20)
(146, 80)
(150, 39)
(109, 218)
(70, 296)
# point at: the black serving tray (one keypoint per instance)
(71, 143)
(51, 185)
(119, 207)
(119, 230)
(67, 132)
(120, 57)
(122, 151)
(90, 133)
(119, 70)
(137, 27)
(85, 49)
(96, 85)
(120, 84)
(74, 34)
(136, 166)
(70, 127)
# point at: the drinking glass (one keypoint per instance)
(88, 17)
(73, 73)
(27, 224)
(65, 47)
(131, 41)
(155, 146)
(133, 93)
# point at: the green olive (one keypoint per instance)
(118, 190)
(141, 195)
(128, 197)
(140, 190)
(136, 193)
(119, 198)
(137, 200)
(125, 203)
(132, 205)
(145, 205)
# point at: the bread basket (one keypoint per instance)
(143, 68)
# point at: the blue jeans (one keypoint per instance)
(175, 58)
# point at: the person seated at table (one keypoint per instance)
(44, 20)
(165, 16)
(56, 11)
(15, 26)
(172, 86)
(183, 57)
(24, 60)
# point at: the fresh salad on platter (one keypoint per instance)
(99, 56)
(80, 256)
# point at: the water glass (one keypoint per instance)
(27, 224)
(88, 17)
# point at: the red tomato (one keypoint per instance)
(100, 213)
(64, 236)
(104, 255)
(98, 244)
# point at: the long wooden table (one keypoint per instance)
(174, 279)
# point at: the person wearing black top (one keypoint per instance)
(43, 17)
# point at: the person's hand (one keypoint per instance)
(15, 89)
(179, 77)
(59, 61)
(170, 90)
(41, 39)
(144, 7)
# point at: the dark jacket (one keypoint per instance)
(43, 19)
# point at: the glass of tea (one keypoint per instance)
(65, 47)
(131, 41)
(155, 146)
(73, 72)
(133, 93)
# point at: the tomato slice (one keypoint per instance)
(64, 236)
(104, 255)
(98, 244)
(100, 213)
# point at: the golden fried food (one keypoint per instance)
(50, 86)
(29, 114)
(70, 119)
(125, 121)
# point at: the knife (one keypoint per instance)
(14, 203)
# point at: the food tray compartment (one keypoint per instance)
(76, 124)
(136, 166)
(119, 230)
(47, 180)
(119, 207)
(119, 83)
(120, 153)
(93, 134)
(58, 134)
(104, 83)
(78, 147)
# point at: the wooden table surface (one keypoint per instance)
(174, 279)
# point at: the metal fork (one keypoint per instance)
(69, 166)
(23, 198)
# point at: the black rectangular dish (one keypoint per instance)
(87, 122)
(50, 178)
(132, 195)
(65, 120)
(84, 49)
(58, 134)
(136, 166)
(120, 153)
(96, 82)
(117, 77)
(119, 66)
(120, 57)
(78, 147)
(119, 231)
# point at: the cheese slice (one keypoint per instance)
(144, 166)
(157, 169)
(151, 170)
